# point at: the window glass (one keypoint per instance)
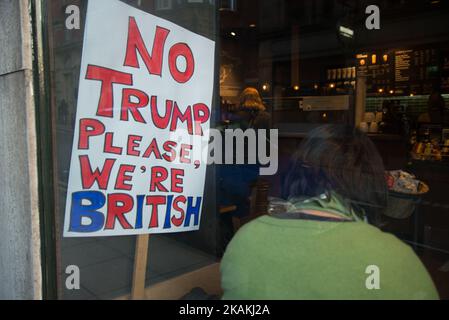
(382, 67)
(106, 264)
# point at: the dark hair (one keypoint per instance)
(342, 159)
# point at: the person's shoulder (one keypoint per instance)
(254, 226)
(387, 245)
(369, 238)
(381, 237)
(400, 263)
(251, 233)
(243, 245)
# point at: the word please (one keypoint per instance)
(168, 150)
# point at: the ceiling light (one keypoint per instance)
(346, 32)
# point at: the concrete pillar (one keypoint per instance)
(20, 260)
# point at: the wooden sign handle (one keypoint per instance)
(140, 267)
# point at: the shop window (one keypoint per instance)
(107, 264)
(313, 63)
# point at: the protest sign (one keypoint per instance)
(145, 93)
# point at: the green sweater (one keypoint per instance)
(291, 259)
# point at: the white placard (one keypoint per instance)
(144, 99)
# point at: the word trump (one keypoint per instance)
(134, 100)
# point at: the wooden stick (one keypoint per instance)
(140, 267)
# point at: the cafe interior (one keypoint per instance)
(317, 62)
(314, 62)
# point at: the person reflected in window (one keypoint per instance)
(326, 245)
(236, 180)
(252, 112)
(435, 108)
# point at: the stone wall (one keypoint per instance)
(20, 263)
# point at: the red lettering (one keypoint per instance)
(152, 149)
(88, 128)
(177, 176)
(107, 77)
(161, 122)
(174, 220)
(201, 114)
(169, 148)
(129, 106)
(181, 50)
(101, 177)
(185, 152)
(136, 44)
(158, 175)
(118, 205)
(183, 117)
(133, 143)
(109, 147)
(154, 202)
(123, 177)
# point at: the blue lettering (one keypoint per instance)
(193, 210)
(78, 211)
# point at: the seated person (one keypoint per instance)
(326, 247)
(236, 180)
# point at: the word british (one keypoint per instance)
(178, 211)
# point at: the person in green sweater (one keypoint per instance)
(326, 245)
